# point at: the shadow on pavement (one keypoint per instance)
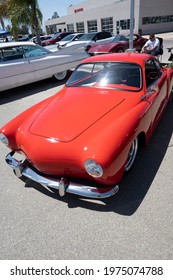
(11, 95)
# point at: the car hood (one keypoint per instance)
(72, 111)
(102, 47)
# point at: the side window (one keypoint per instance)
(31, 51)
(107, 35)
(159, 67)
(11, 53)
(97, 37)
(151, 73)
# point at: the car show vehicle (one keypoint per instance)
(55, 38)
(69, 38)
(83, 139)
(22, 63)
(120, 43)
(42, 38)
(89, 39)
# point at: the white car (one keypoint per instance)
(69, 38)
(89, 39)
(25, 62)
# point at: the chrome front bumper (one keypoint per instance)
(63, 185)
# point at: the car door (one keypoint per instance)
(15, 69)
(156, 89)
(40, 60)
(46, 63)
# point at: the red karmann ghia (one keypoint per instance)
(83, 139)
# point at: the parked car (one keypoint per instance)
(69, 38)
(119, 43)
(42, 38)
(84, 138)
(25, 62)
(89, 39)
(23, 38)
(55, 38)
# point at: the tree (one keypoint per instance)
(55, 15)
(23, 12)
(3, 12)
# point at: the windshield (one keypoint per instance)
(114, 75)
(55, 35)
(87, 37)
(68, 37)
(119, 38)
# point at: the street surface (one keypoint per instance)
(137, 223)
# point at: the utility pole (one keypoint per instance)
(131, 49)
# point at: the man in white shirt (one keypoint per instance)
(152, 45)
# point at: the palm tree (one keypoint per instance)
(3, 12)
(24, 12)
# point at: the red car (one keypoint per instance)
(119, 43)
(84, 138)
(55, 38)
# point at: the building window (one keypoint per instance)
(70, 27)
(50, 29)
(125, 24)
(92, 26)
(157, 19)
(80, 27)
(107, 24)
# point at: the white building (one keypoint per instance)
(114, 16)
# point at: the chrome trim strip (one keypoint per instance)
(62, 185)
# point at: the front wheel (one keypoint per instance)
(60, 76)
(131, 155)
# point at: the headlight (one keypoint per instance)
(3, 139)
(93, 168)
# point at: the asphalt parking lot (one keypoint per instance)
(135, 224)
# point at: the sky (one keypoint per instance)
(48, 7)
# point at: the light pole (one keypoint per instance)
(131, 49)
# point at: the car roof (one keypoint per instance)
(14, 44)
(77, 33)
(122, 57)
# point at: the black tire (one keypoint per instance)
(120, 50)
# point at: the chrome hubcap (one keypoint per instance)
(131, 155)
(61, 75)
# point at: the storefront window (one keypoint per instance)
(160, 19)
(70, 27)
(92, 26)
(107, 24)
(80, 27)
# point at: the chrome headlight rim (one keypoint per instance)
(93, 168)
(4, 139)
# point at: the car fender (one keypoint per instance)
(108, 141)
(12, 127)
(169, 72)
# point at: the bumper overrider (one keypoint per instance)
(62, 184)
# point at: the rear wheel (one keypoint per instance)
(120, 50)
(60, 76)
(131, 155)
